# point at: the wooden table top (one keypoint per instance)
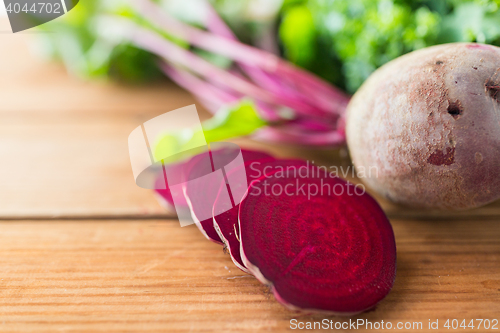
(82, 248)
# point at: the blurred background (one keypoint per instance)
(343, 42)
(284, 68)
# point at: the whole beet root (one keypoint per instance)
(424, 129)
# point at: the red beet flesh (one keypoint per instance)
(226, 223)
(201, 195)
(327, 253)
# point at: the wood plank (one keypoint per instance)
(75, 164)
(60, 165)
(157, 276)
(63, 142)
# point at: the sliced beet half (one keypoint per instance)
(226, 223)
(320, 243)
(205, 176)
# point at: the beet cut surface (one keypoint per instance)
(207, 191)
(226, 224)
(331, 254)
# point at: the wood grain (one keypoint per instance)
(63, 141)
(156, 276)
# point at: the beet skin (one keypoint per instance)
(427, 127)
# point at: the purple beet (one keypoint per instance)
(226, 223)
(202, 192)
(319, 252)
